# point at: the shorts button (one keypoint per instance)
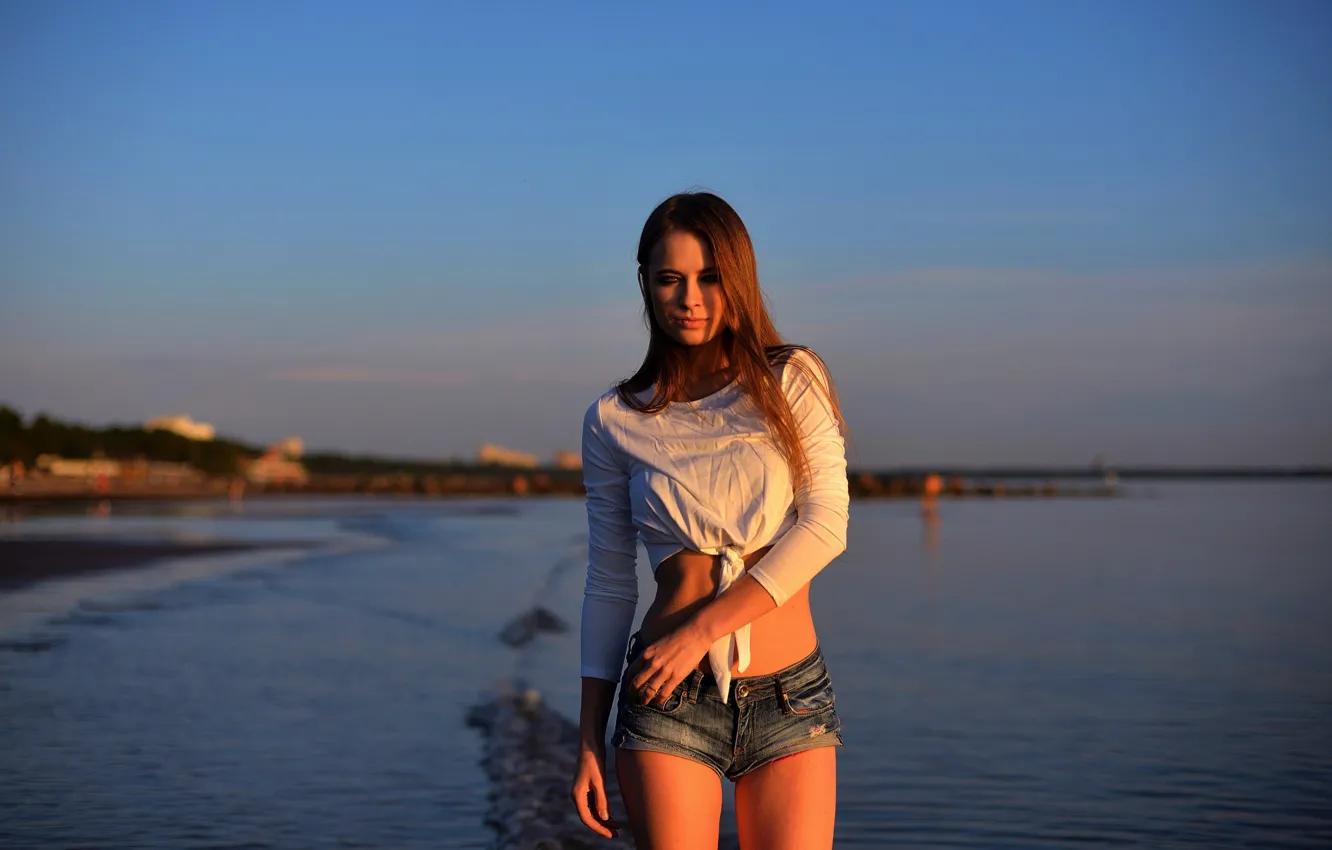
(742, 691)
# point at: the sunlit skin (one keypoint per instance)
(788, 803)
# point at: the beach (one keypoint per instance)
(27, 561)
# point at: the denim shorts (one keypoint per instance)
(766, 717)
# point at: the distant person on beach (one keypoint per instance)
(929, 496)
(724, 455)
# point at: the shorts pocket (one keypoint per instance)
(808, 698)
(629, 699)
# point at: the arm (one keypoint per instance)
(669, 659)
(610, 598)
(589, 786)
(823, 502)
(743, 602)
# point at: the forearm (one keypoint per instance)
(598, 698)
(743, 602)
(818, 537)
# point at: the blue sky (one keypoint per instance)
(1019, 232)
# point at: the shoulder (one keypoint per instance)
(602, 410)
(609, 417)
(799, 366)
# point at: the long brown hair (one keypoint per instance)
(750, 341)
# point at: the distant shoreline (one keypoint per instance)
(1138, 473)
(901, 483)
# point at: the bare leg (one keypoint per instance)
(789, 804)
(672, 802)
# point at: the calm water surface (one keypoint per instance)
(1153, 671)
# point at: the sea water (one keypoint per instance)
(1152, 671)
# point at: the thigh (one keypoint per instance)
(790, 803)
(671, 801)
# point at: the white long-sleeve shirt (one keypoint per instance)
(706, 475)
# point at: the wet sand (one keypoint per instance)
(26, 561)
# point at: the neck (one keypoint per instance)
(702, 362)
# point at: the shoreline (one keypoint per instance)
(861, 486)
(28, 561)
(901, 484)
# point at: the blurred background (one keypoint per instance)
(259, 254)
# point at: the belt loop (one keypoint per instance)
(695, 685)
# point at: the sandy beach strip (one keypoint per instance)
(26, 561)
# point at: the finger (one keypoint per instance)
(582, 797)
(644, 694)
(645, 660)
(603, 810)
(645, 675)
(667, 688)
(657, 690)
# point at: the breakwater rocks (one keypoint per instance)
(529, 757)
(522, 630)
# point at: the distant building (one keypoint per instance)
(280, 464)
(62, 467)
(182, 425)
(274, 468)
(568, 460)
(500, 456)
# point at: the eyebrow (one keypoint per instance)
(708, 270)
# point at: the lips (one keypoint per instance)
(690, 321)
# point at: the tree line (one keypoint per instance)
(25, 440)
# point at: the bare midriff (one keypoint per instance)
(688, 580)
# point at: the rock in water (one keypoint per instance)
(523, 629)
(529, 756)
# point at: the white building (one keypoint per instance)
(568, 460)
(182, 425)
(272, 468)
(500, 456)
(281, 464)
(78, 468)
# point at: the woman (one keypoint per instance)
(724, 454)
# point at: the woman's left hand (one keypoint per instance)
(665, 663)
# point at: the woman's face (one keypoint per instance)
(687, 298)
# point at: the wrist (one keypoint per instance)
(699, 629)
(591, 742)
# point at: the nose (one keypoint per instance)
(690, 293)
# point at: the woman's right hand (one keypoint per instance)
(589, 793)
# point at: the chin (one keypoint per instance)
(693, 338)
